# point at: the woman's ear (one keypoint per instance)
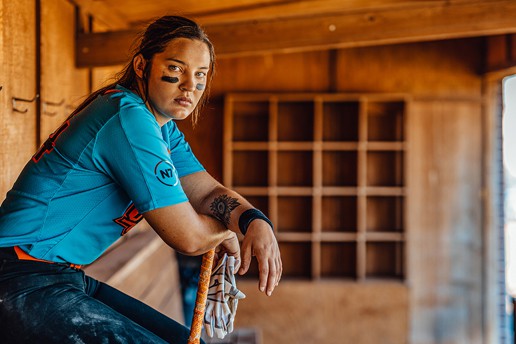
(139, 65)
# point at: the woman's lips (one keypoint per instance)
(183, 101)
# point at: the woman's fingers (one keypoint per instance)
(260, 242)
(246, 253)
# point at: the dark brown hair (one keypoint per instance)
(152, 41)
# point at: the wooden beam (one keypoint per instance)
(103, 48)
(307, 8)
(328, 31)
(111, 18)
(361, 29)
(501, 53)
(137, 11)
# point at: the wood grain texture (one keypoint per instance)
(108, 15)
(501, 53)
(63, 86)
(133, 12)
(445, 73)
(284, 72)
(302, 8)
(445, 68)
(328, 312)
(444, 221)
(103, 76)
(335, 30)
(136, 11)
(148, 273)
(444, 301)
(344, 30)
(18, 79)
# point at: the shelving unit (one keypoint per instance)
(328, 169)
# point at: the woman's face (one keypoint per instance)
(178, 78)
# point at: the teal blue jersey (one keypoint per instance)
(92, 179)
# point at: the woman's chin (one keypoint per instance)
(179, 117)
(179, 114)
(176, 116)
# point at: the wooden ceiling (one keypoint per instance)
(244, 27)
(133, 12)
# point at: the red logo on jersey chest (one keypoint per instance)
(130, 218)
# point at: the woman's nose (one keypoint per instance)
(187, 84)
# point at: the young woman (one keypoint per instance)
(117, 159)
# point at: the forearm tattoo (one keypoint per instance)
(222, 207)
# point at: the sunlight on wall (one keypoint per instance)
(509, 124)
(509, 156)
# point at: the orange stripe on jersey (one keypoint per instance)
(113, 90)
(22, 255)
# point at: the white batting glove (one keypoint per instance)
(222, 301)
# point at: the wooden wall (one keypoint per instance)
(328, 312)
(63, 86)
(37, 57)
(445, 258)
(441, 300)
(27, 69)
(143, 266)
(44, 64)
(18, 79)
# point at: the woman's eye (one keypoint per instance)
(201, 74)
(174, 68)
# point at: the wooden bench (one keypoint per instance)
(140, 264)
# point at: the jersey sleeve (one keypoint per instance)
(180, 151)
(132, 151)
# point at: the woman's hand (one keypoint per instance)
(260, 242)
(231, 246)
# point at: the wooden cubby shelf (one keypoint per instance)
(329, 171)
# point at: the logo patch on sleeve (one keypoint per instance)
(130, 218)
(166, 173)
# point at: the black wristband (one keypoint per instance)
(248, 216)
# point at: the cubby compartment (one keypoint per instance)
(384, 214)
(250, 168)
(251, 121)
(296, 259)
(260, 202)
(296, 121)
(295, 168)
(339, 168)
(340, 121)
(385, 121)
(339, 214)
(329, 170)
(384, 260)
(385, 168)
(295, 214)
(338, 259)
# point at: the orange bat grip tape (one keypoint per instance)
(202, 294)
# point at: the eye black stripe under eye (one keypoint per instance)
(200, 87)
(171, 79)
